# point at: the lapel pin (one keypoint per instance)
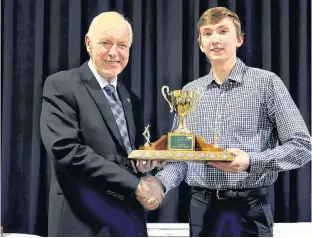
(128, 99)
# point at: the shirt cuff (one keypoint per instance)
(257, 163)
(165, 182)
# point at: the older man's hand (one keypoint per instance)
(144, 166)
(150, 192)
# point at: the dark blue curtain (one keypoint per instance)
(41, 37)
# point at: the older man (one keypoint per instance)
(88, 130)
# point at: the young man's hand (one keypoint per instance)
(241, 162)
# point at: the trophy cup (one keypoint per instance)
(182, 102)
(181, 144)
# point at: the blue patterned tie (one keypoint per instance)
(118, 112)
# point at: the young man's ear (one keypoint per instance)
(201, 45)
(240, 41)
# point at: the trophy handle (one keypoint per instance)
(163, 89)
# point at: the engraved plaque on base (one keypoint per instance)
(181, 141)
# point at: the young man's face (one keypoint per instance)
(220, 41)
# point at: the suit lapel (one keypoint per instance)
(99, 98)
(125, 100)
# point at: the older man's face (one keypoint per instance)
(109, 46)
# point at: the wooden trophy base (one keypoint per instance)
(159, 151)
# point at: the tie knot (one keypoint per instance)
(109, 89)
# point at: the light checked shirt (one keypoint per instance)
(253, 111)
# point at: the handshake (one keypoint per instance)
(150, 192)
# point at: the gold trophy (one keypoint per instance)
(182, 102)
(181, 144)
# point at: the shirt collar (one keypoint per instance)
(102, 81)
(235, 75)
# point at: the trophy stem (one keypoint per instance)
(182, 123)
(182, 126)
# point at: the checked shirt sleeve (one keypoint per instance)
(294, 147)
(174, 172)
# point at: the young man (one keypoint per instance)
(252, 111)
(88, 129)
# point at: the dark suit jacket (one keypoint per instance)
(92, 184)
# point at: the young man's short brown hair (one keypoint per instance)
(215, 15)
